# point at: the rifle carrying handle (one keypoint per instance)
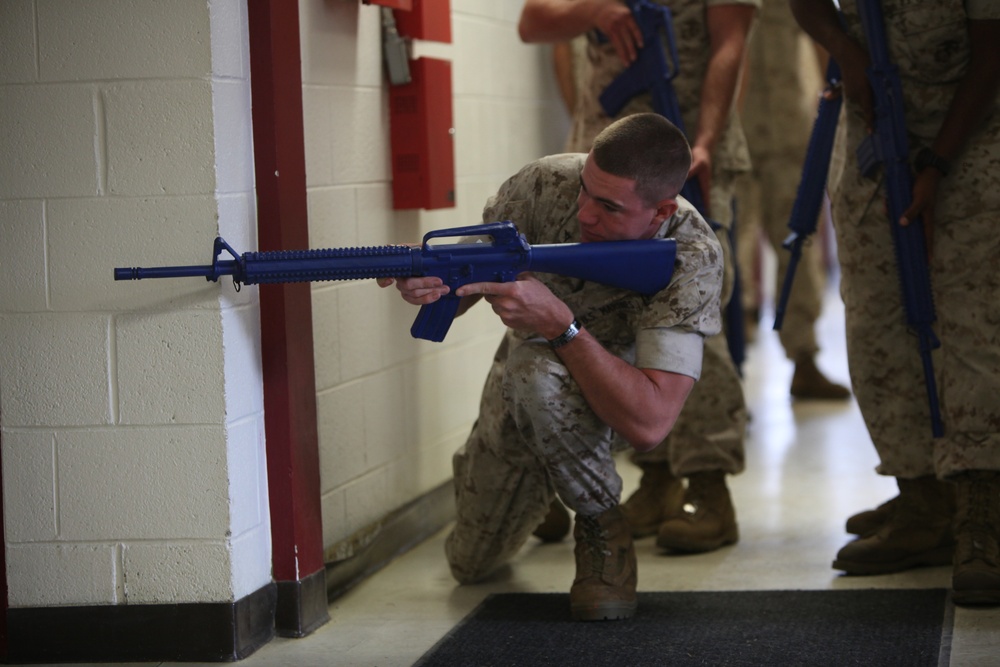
(502, 232)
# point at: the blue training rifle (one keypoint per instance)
(888, 146)
(812, 186)
(644, 266)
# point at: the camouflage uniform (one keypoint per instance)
(778, 113)
(536, 435)
(709, 434)
(929, 43)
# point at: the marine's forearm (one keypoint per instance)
(557, 20)
(819, 19)
(640, 405)
(729, 27)
(976, 94)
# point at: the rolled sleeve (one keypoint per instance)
(672, 350)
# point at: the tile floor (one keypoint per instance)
(810, 465)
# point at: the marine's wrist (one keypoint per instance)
(928, 159)
(571, 332)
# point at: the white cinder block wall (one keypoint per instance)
(392, 409)
(131, 413)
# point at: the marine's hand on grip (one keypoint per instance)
(925, 192)
(418, 290)
(525, 304)
(616, 22)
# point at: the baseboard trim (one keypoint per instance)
(189, 632)
(398, 533)
(302, 605)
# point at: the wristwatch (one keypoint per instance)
(928, 158)
(566, 336)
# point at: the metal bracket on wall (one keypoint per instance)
(394, 50)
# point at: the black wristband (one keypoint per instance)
(928, 158)
(566, 336)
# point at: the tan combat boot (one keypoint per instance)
(869, 521)
(917, 533)
(976, 577)
(809, 383)
(555, 526)
(658, 498)
(707, 519)
(604, 588)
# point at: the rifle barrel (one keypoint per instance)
(222, 268)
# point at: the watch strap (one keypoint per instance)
(566, 336)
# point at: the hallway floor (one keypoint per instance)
(809, 466)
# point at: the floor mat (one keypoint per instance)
(910, 628)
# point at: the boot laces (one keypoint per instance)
(594, 540)
(980, 522)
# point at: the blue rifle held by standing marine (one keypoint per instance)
(654, 73)
(656, 66)
(812, 186)
(888, 146)
(644, 266)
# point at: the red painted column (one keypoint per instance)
(286, 320)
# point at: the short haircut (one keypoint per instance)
(648, 149)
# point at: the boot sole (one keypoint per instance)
(606, 611)
(862, 532)
(696, 547)
(976, 598)
(933, 558)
